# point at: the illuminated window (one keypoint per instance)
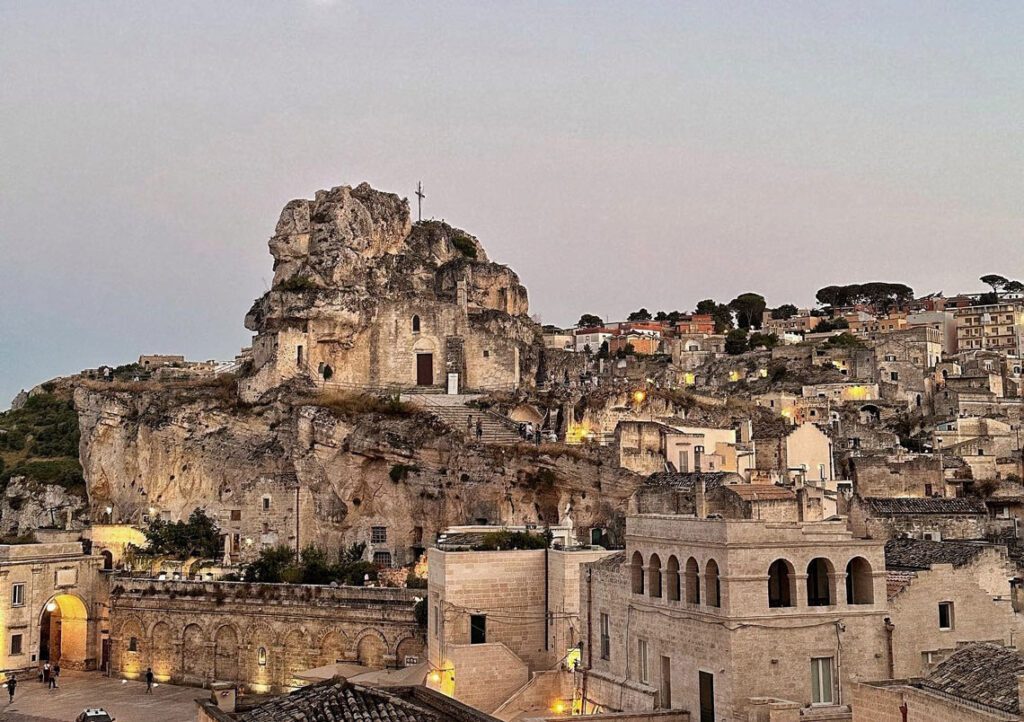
(261, 657)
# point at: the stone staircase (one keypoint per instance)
(453, 411)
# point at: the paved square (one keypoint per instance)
(127, 702)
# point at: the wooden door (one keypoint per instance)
(707, 697)
(424, 369)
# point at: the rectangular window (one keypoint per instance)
(133, 644)
(945, 615)
(16, 644)
(437, 622)
(641, 649)
(821, 680)
(382, 559)
(606, 641)
(266, 503)
(236, 515)
(478, 629)
(379, 535)
(18, 595)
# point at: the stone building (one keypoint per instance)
(930, 518)
(707, 614)
(944, 595)
(257, 635)
(799, 452)
(647, 447)
(978, 683)
(498, 618)
(362, 298)
(50, 606)
(997, 326)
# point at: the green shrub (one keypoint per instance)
(463, 243)
(503, 540)
(297, 284)
(66, 473)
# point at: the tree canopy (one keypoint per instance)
(881, 295)
(748, 308)
(197, 537)
(313, 566)
(642, 315)
(736, 342)
(720, 312)
(786, 310)
(588, 320)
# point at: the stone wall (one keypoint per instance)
(881, 703)
(978, 616)
(259, 635)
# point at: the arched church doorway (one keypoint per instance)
(64, 632)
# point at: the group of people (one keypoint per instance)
(479, 427)
(529, 432)
(48, 675)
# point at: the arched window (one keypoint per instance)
(859, 585)
(781, 579)
(672, 578)
(714, 593)
(637, 571)
(654, 575)
(415, 324)
(692, 581)
(819, 583)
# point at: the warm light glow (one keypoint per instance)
(435, 677)
(419, 569)
(763, 373)
(787, 412)
(734, 375)
(639, 396)
(51, 607)
(689, 379)
(577, 433)
(857, 392)
(558, 707)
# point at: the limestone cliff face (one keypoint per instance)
(167, 453)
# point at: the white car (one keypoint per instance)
(94, 715)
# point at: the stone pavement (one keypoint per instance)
(127, 702)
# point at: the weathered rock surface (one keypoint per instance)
(408, 474)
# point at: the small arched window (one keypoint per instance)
(714, 593)
(692, 581)
(859, 583)
(415, 324)
(780, 584)
(672, 578)
(261, 657)
(654, 575)
(819, 583)
(637, 572)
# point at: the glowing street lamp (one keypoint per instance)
(638, 396)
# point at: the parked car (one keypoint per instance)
(94, 715)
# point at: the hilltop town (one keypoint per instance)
(733, 512)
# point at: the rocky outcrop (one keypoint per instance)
(27, 504)
(168, 453)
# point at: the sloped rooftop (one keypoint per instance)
(336, 700)
(919, 554)
(982, 673)
(885, 506)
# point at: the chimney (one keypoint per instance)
(700, 507)
(801, 503)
